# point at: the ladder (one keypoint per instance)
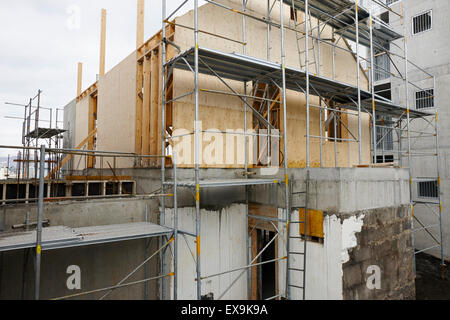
(266, 101)
(296, 250)
(300, 35)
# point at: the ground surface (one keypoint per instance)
(429, 284)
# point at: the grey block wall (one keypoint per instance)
(385, 242)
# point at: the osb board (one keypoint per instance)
(117, 91)
(82, 130)
(215, 108)
(315, 223)
(263, 211)
(117, 112)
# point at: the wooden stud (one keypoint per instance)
(91, 127)
(103, 43)
(146, 109)
(139, 104)
(80, 79)
(69, 156)
(154, 93)
(140, 23)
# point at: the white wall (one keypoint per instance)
(223, 248)
(222, 245)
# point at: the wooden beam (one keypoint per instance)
(91, 127)
(69, 156)
(80, 79)
(102, 43)
(140, 23)
(139, 103)
(98, 178)
(154, 102)
(146, 108)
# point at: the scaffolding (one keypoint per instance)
(34, 133)
(267, 103)
(349, 22)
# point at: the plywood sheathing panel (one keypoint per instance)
(117, 111)
(224, 112)
(82, 130)
(214, 109)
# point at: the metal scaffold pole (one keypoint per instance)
(247, 238)
(175, 228)
(163, 141)
(197, 154)
(307, 83)
(372, 86)
(286, 177)
(408, 133)
(37, 284)
(358, 77)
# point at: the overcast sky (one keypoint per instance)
(41, 42)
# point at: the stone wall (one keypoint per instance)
(384, 241)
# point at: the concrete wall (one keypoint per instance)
(222, 244)
(101, 265)
(366, 222)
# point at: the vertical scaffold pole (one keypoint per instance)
(247, 238)
(37, 283)
(438, 156)
(358, 74)
(372, 85)
(286, 178)
(197, 160)
(321, 110)
(409, 142)
(163, 134)
(175, 228)
(307, 81)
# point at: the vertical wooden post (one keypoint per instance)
(102, 43)
(92, 118)
(154, 92)
(140, 23)
(80, 79)
(146, 108)
(139, 106)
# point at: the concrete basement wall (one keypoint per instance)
(367, 222)
(222, 243)
(101, 265)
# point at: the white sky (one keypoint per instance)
(41, 43)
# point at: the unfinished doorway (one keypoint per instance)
(267, 272)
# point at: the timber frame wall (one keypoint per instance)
(148, 102)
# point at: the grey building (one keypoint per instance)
(425, 24)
